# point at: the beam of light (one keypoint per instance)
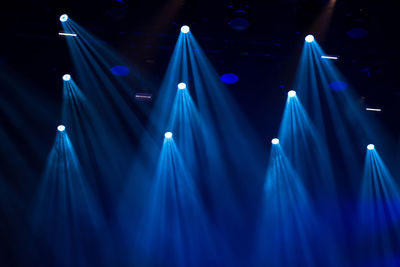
(61, 128)
(67, 34)
(309, 38)
(379, 212)
(288, 225)
(275, 141)
(182, 86)
(322, 22)
(175, 227)
(374, 109)
(331, 110)
(66, 77)
(64, 194)
(330, 57)
(185, 29)
(64, 18)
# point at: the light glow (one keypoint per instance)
(61, 128)
(185, 29)
(330, 57)
(168, 135)
(309, 38)
(182, 86)
(374, 109)
(371, 147)
(64, 18)
(67, 34)
(66, 77)
(292, 93)
(275, 141)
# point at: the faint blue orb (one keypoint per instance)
(309, 38)
(239, 24)
(338, 86)
(120, 70)
(229, 78)
(357, 33)
(275, 141)
(64, 18)
(168, 135)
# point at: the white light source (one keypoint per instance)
(309, 38)
(330, 57)
(182, 86)
(61, 128)
(275, 141)
(371, 147)
(66, 77)
(374, 109)
(67, 34)
(64, 18)
(185, 29)
(291, 93)
(168, 135)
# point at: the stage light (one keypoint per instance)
(66, 77)
(292, 93)
(330, 57)
(374, 109)
(67, 34)
(64, 18)
(182, 86)
(185, 29)
(61, 128)
(370, 147)
(309, 38)
(275, 141)
(168, 135)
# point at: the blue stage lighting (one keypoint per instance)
(338, 86)
(168, 135)
(61, 128)
(309, 38)
(275, 141)
(67, 77)
(185, 29)
(64, 18)
(120, 70)
(229, 78)
(292, 93)
(182, 86)
(371, 147)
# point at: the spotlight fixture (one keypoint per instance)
(66, 77)
(371, 147)
(291, 93)
(61, 128)
(168, 135)
(64, 18)
(309, 38)
(275, 141)
(185, 29)
(182, 86)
